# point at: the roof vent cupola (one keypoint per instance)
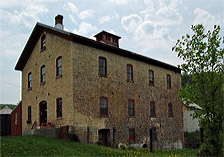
(108, 38)
(59, 22)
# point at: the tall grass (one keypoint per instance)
(47, 146)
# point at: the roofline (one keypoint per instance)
(107, 33)
(39, 28)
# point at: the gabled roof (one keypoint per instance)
(40, 28)
(104, 32)
(5, 110)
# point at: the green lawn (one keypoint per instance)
(47, 146)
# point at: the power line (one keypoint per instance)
(10, 83)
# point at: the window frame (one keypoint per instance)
(131, 109)
(170, 108)
(131, 137)
(59, 67)
(154, 109)
(102, 114)
(29, 114)
(42, 75)
(102, 68)
(129, 73)
(168, 80)
(59, 109)
(30, 80)
(151, 82)
(43, 43)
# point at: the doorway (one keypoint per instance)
(104, 137)
(43, 112)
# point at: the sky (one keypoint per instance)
(147, 27)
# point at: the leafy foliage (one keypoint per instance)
(203, 56)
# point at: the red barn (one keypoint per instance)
(16, 120)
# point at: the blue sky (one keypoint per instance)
(147, 27)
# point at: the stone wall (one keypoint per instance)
(88, 87)
(80, 88)
(54, 87)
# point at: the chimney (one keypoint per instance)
(59, 22)
(108, 38)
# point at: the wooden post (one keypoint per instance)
(87, 134)
(150, 133)
(114, 132)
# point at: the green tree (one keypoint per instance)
(202, 54)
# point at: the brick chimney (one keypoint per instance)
(59, 22)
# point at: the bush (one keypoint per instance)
(192, 140)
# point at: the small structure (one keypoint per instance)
(16, 120)
(190, 124)
(5, 124)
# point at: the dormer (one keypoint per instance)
(108, 38)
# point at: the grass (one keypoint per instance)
(47, 146)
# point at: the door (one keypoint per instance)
(104, 135)
(43, 112)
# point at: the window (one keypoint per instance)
(168, 81)
(129, 72)
(103, 106)
(152, 109)
(16, 118)
(170, 110)
(43, 42)
(131, 135)
(59, 66)
(29, 80)
(153, 133)
(107, 37)
(42, 75)
(131, 108)
(102, 66)
(59, 107)
(151, 78)
(29, 114)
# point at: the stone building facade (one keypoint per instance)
(104, 93)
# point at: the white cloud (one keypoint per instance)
(86, 14)
(205, 18)
(28, 15)
(131, 22)
(70, 7)
(119, 2)
(108, 18)
(84, 29)
(71, 17)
